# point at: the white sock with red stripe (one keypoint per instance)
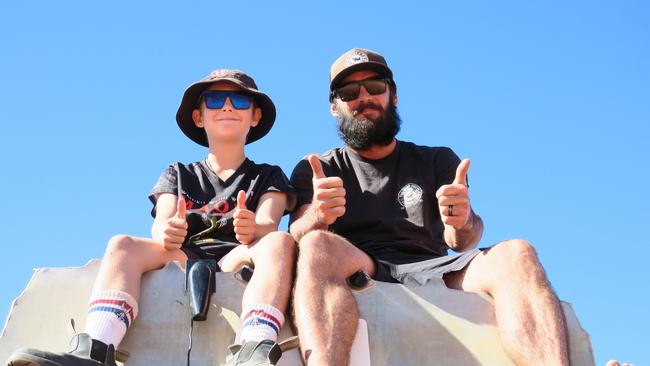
(110, 313)
(260, 322)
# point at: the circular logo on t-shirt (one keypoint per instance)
(409, 195)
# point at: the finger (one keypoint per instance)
(316, 167)
(177, 223)
(445, 201)
(331, 203)
(452, 190)
(241, 200)
(243, 214)
(180, 208)
(461, 172)
(324, 194)
(328, 182)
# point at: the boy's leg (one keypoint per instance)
(266, 297)
(113, 305)
(114, 302)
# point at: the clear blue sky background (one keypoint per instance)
(550, 100)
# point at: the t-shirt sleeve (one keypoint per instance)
(278, 182)
(167, 183)
(301, 180)
(445, 163)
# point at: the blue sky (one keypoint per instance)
(550, 101)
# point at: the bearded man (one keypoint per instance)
(390, 210)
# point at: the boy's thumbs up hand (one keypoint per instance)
(175, 229)
(244, 220)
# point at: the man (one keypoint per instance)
(391, 209)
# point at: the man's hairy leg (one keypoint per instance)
(326, 312)
(529, 316)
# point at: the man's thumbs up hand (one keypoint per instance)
(244, 220)
(328, 202)
(453, 199)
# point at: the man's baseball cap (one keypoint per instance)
(238, 78)
(358, 59)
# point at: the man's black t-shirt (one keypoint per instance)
(391, 209)
(210, 198)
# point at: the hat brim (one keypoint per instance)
(196, 134)
(370, 65)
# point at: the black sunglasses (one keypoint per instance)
(350, 91)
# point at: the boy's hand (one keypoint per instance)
(175, 228)
(244, 222)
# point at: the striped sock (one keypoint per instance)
(110, 313)
(260, 322)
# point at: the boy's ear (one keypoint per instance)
(257, 115)
(196, 117)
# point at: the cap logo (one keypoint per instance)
(220, 73)
(356, 58)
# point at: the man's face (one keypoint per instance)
(370, 119)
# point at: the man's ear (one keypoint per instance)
(333, 110)
(196, 117)
(257, 115)
(394, 99)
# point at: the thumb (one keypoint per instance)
(241, 200)
(316, 166)
(461, 172)
(180, 208)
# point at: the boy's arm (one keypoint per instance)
(250, 226)
(269, 213)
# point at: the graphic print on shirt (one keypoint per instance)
(410, 195)
(214, 214)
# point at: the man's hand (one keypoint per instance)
(244, 222)
(328, 202)
(175, 228)
(453, 199)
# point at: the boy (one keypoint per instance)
(225, 207)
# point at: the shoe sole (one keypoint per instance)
(25, 359)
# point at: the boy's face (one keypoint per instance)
(226, 124)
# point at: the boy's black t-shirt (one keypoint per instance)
(208, 197)
(391, 209)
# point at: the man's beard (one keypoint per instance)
(361, 133)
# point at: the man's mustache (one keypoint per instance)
(365, 106)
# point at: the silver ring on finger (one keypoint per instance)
(450, 210)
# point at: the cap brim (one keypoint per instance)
(370, 65)
(196, 134)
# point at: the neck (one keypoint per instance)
(226, 157)
(376, 152)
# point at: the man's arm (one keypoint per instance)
(463, 228)
(328, 203)
(468, 236)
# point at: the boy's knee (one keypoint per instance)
(277, 244)
(119, 243)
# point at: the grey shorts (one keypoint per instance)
(419, 273)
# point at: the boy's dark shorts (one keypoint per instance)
(419, 273)
(216, 251)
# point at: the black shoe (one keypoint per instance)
(253, 353)
(84, 351)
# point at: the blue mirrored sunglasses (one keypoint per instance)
(215, 99)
